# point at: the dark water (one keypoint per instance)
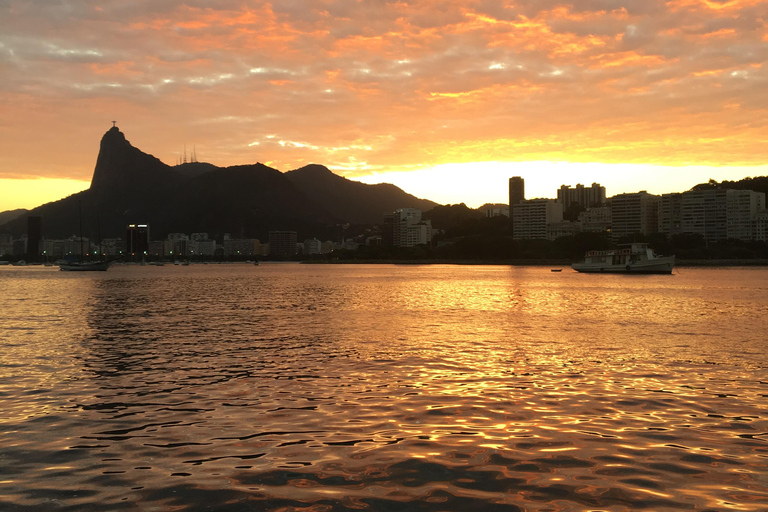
(326, 388)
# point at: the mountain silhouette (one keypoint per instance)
(347, 199)
(9, 215)
(247, 201)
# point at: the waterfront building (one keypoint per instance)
(282, 244)
(6, 244)
(715, 214)
(586, 197)
(156, 248)
(635, 213)
(201, 245)
(495, 210)
(516, 191)
(761, 226)
(349, 245)
(177, 245)
(516, 194)
(595, 219)
(240, 246)
(705, 212)
(408, 228)
(742, 207)
(388, 230)
(671, 214)
(312, 246)
(77, 246)
(34, 237)
(137, 239)
(112, 247)
(20, 247)
(556, 230)
(54, 248)
(530, 218)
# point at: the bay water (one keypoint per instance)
(382, 387)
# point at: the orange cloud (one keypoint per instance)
(385, 85)
(629, 58)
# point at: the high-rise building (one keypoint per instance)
(137, 239)
(34, 237)
(531, 217)
(388, 230)
(201, 245)
(408, 228)
(634, 213)
(715, 214)
(516, 191)
(586, 197)
(282, 244)
(595, 220)
(177, 245)
(761, 226)
(516, 194)
(742, 207)
(241, 246)
(704, 212)
(671, 214)
(6, 244)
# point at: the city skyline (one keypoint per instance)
(440, 97)
(421, 183)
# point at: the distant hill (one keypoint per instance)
(758, 184)
(452, 215)
(248, 201)
(9, 215)
(347, 199)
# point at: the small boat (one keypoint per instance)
(84, 266)
(556, 270)
(635, 258)
(80, 265)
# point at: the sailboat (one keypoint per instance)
(80, 265)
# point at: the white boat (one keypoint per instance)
(81, 266)
(636, 258)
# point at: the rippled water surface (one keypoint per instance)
(328, 388)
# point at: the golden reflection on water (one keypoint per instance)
(373, 386)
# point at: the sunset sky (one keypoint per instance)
(445, 99)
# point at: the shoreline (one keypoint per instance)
(533, 263)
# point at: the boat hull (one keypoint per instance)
(93, 266)
(657, 266)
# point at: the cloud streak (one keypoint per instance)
(365, 86)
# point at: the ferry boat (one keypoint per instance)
(636, 258)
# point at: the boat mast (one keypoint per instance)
(80, 215)
(98, 233)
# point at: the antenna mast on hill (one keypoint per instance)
(114, 124)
